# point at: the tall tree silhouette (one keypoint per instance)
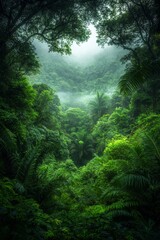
(98, 107)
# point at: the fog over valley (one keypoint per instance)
(78, 77)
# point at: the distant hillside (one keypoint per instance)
(106, 70)
(66, 75)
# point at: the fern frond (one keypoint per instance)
(7, 139)
(27, 163)
(131, 80)
(118, 213)
(112, 192)
(123, 204)
(132, 181)
(155, 146)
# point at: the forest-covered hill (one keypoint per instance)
(64, 74)
(79, 173)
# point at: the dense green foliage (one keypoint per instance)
(79, 173)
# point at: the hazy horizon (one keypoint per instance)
(83, 53)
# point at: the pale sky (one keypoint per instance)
(86, 48)
(83, 53)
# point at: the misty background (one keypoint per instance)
(77, 77)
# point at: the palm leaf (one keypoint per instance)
(131, 80)
(138, 74)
